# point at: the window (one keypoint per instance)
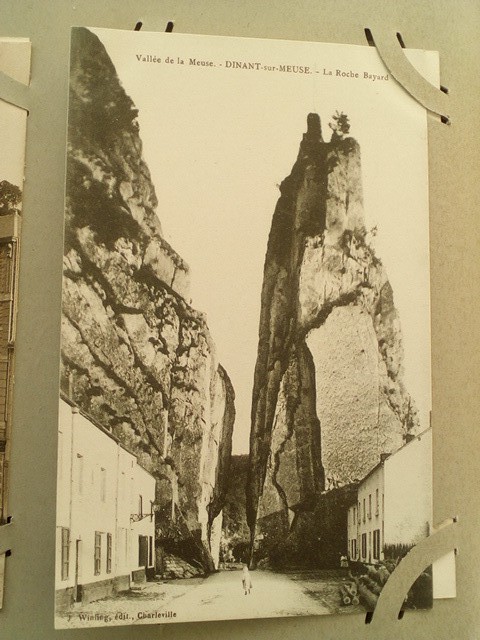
(377, 503)
(376, 544)
(65, 552)
(358, 513)
(109, 553)
(364, 546)
(369, 546)
(354, 549)
(140, 506)
(80, 473)
(103, 484)
(370, 506)
(142, 551)
(98, 553)
(364, 509)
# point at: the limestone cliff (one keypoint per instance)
(328, 395)
(135, 354)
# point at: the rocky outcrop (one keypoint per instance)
(328, 395)
(174, 567)
(135, 354)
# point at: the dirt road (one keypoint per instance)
(220, 596)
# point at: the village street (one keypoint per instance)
(220, 596)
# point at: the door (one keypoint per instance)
(78, 572)
(142, 551)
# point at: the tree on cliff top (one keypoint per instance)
(340, 125)
(10, 198)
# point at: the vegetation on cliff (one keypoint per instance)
(10, 198)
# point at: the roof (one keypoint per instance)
(375, 468)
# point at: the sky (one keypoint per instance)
(219, 140)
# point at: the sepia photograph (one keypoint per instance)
(245, 393)
(15, 64)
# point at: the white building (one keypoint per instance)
(394, 502)
(105, 520)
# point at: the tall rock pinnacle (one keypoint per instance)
(328, 395)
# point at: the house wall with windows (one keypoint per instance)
(101, 533)
(394, 502)
(366, 519)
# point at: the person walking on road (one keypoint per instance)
(246, 579)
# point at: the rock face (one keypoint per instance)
(177, 568)
(328, 395)
(135, 355)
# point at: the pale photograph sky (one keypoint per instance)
(219, 140)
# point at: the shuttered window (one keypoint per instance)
(109, 553)
(376, 544)
(98, 553)
(65, 552)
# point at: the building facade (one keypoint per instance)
(9, 233)
(366, 518)
(394, 502)
(105, 516)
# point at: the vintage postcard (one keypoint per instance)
(244, 413)
(14, 63)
